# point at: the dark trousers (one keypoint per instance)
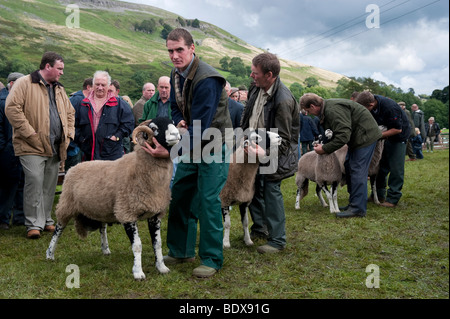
(267, 211)
(392, 172)
(357, 165)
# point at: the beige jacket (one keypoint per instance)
(27, 109)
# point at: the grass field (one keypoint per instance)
(325, 258)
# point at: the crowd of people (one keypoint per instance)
(43, 132)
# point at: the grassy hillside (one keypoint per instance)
(107, 40)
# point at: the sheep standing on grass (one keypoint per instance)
(324, 170)
(354, 125)
(132, 188)
(240, 185)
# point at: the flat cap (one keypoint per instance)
(14, 76)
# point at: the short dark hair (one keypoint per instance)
(50, 58)
(268, 62)
(310, 98)
(365, 98)
(180, 33)
(116, 84)
(87, 82)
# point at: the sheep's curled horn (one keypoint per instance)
(147, 133)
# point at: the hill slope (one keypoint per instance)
(107, 40)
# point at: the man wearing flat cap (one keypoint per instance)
(10, 169)
(43, 122)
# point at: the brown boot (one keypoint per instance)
(33, 234)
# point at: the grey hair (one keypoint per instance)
(101, 74)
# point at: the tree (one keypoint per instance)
(165, 31)
(181, 21)
(296, 90)
(195, 23)
(438, 110)
(224, 63)
(311, 81)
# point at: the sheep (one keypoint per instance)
(375, 165)
(326, 169)
(132, 188)
(240, 185)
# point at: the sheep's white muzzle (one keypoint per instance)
(172, 135)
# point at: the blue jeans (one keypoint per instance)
(356, 170)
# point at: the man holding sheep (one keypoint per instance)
(351, 124)
(271, 105)
(198, 95)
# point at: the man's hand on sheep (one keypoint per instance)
(255, 150)
(318, 149)
(158, 151)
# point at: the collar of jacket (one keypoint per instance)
(111, 102)
(35, 78)
(275, 86)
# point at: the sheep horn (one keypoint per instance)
(143, 129)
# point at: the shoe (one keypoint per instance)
(49, 228)
(342, 208)
(389, 205)
(4, 226)
(254, 235)
(267, 249)
(204, 272)
(33, 234)
(169, 260)
(349, 214)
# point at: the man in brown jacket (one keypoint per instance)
(43, 120)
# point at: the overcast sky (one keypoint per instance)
(409, 49)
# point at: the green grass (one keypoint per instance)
(325, 258)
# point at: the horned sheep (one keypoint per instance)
(240, 185)
(134, 187)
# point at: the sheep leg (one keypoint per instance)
(104, 239)
(319, 190)
(373, 181)
(244, 220)
(52, 246)
(329, 197)
(154, 226)
(226, 227)
(334, 188)
(136, 247)
(297, 199)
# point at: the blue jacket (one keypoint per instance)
(308, 130)
(10, 167)
(75, 99)
(117, 120)
(236, 110)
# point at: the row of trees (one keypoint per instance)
(150, 26)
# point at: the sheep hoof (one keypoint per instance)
(163, 269)
(106, 252)
(297, 207)
(139, 275)
(226, 245)
(249, 243)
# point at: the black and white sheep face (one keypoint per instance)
(261, 137)
(171, 134)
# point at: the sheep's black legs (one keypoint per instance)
(244, 220)
(154, 226)
(51, 248)
(136, 246)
